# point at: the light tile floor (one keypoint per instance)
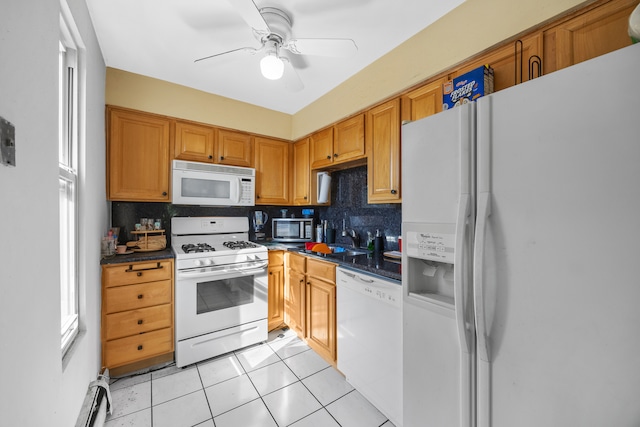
(275, 384)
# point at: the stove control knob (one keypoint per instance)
(208, 261)
(198, 262)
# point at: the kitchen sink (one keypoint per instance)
(341, 252)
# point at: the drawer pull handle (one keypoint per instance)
(131, 269)
(140, 296)
(139, 347)
(140, 322)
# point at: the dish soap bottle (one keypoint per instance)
(369, 241)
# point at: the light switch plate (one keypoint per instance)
(7, 143)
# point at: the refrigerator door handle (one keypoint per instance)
(459, 273)
(484, 211)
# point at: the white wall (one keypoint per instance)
(36, 388)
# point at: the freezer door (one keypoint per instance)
(438, 337)
(556, 277)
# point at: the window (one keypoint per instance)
(68, 142)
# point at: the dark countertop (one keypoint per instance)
(138, 256)
(378, 265)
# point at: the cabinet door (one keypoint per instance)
(272, 171)
(591, 34)
(383, 150)
(348, 140)
(138, 157)
(276, 296)
(295, 303)
(321, 317)
(301, 173)
(507, 69)
(234, 148)
(321, 148)
(194, 142)
(423, 102)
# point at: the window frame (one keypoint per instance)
(70, 139)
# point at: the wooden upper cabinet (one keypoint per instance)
(234, 148)
(338, 144)
(301, 173)
(348, 140)
(383, 149)
(509, 69)
(138, 156)
(194, 142)
(424, 101)
(272, 171)
(321, 146)
(588, 35)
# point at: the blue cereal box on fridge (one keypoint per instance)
(467, 87)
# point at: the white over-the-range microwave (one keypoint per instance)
(206, 184)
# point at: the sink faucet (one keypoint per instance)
(355, 239)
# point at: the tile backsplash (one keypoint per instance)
(348, 203)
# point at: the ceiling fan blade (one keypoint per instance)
(251, 15)
(339, 48)
(290, 77)
(249, 50)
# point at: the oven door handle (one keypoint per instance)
(255, 269)
(206, 273)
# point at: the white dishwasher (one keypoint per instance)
(369, 318)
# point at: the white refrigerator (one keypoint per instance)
(521, 230)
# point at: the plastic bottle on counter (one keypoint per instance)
(378, 244)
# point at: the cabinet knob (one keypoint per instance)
(305, 197)
(139, 347)
(328, 157)
(210, 157)
(221, 157)
(140, 296)
(301, 280)
(393, 191)
(139, 273)
(257, 196)
(140, 322)
(271, 273)
(164, 193)
(335, 154)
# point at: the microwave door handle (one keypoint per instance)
(238, 190)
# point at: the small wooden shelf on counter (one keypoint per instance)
(146, 243)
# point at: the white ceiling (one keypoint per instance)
(162, 38)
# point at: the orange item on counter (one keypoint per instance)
(322, 248)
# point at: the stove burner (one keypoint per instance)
(198, 247)
(239, 244)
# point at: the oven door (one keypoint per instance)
(215, 298)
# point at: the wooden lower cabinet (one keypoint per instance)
(137, 315)
(294, 293)
(310, 303)
(276, 289)
(321, 317)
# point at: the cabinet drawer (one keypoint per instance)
(138, 347)
(127, 274)
(297, 262)
(134, 322)
(322, 270)
(276, 258)
(134, 297)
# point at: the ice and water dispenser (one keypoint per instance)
(430, 250)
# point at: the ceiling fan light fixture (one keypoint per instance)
(271, 66)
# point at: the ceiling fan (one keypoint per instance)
(272, 28)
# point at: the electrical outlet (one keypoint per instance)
(7, 143)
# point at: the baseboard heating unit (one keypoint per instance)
(97, 403)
